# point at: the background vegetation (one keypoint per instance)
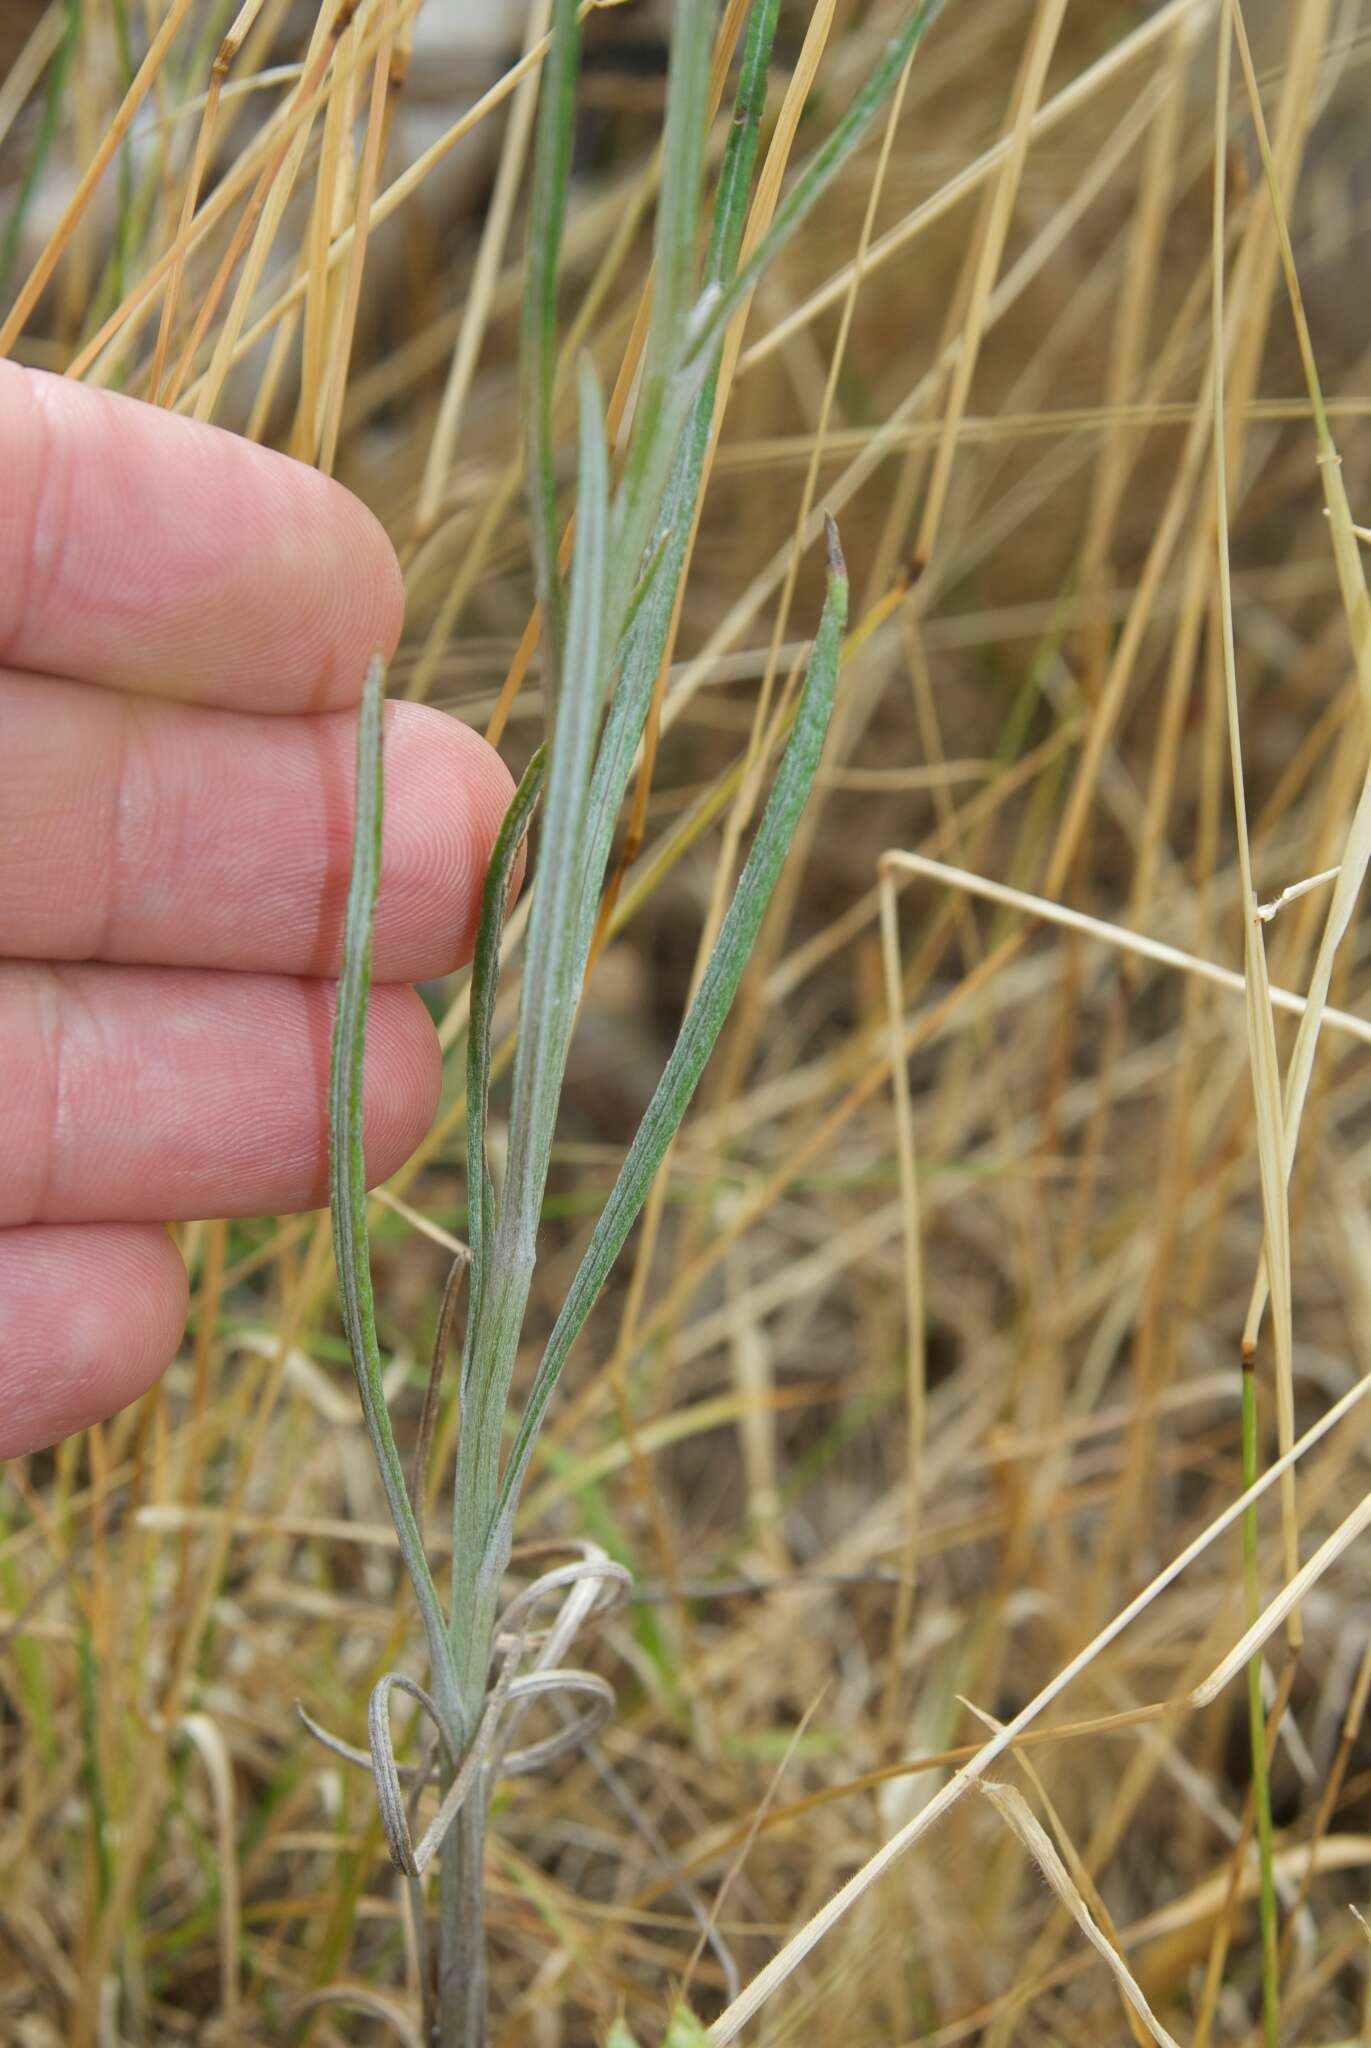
(927, 1357)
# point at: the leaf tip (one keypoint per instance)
(837, 565)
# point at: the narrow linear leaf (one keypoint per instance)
(675, 256)
(646, 629)
(1015, 1810)
(485, 973)
(538, 354)
(1351, 875)
(347, 1162)
(547, 1013)
(740, 152)
(646, 584)
(717, 306)
(457, 1272)
(813, 181)
(675, 241)
(704, 1020)
(551, 987)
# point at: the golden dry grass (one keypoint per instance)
(908, 1385)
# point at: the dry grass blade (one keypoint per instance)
(896, 860)
(208, 1739)
(1015, 1811)
(472, 331)
(27, 68)
(382, 84)
(1056, 111)
(916, 1358)
(13, 324)
(1266, 1080)
(399, 2024)
(1285, 1603)
(769, 1980)
(1028, 93)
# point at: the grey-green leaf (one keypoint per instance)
(485, 971)
(813, 181)
(704, 1020)
(554, 966)
(538, 352)
(347, 1163)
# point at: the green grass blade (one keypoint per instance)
(347, 1165)
(485, 972)
(703, 1022)
(538, 339)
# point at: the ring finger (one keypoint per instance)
(161, 1093)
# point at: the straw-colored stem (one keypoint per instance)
(1256, 1719)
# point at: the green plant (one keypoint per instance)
(604, 636)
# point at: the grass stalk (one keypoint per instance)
(1256, 1720)
(1270, 1130)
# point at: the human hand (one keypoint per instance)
(185, 620)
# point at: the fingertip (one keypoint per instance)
(154, 553)
(187, 1093)
(93, 1315)
(447, 792)
(127, 1317)
(402, 1080)
(373, 608)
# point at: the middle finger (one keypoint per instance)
(133, 829)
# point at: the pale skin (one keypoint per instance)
(185, 621)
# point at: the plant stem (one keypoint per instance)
(1261, 1783)
(461, 1928)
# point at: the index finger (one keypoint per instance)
(152, 553)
